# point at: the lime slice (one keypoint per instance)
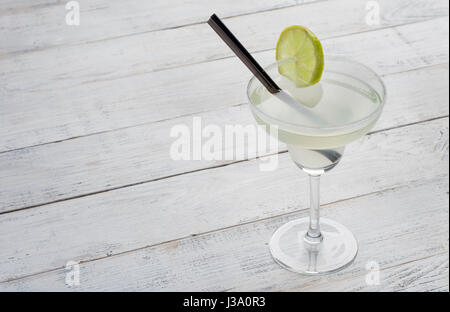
(300, 44)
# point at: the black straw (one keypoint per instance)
(242, 54)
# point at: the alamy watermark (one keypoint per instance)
(73, 14)
(373, 13)
(72, 273)
(230, 142)
(373, 276)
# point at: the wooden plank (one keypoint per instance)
(13, 5)
(393, 227)
(36, 111)
(46, 173)
(117, 221)
(41, 25)
(429, 275)
(349, 16)
(424, 275)
(158, 50)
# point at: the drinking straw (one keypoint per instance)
(243, 54)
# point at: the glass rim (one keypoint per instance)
(350, 125)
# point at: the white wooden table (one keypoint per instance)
(85, 172)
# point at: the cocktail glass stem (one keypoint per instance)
(313, 235)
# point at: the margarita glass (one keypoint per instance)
(347, 102)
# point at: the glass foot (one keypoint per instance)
(335, 251)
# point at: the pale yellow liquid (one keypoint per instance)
(347, 109)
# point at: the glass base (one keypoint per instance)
(335, 251)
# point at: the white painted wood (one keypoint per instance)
(90, 164)
(394, 228)
(14, 5)
(62, 104)
(44, 24)
(128, 75)
(134, 217)
(429, 274)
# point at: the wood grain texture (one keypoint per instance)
(85, 118)
(47, 173)
(393, 227)
(56, 94)
(13, 6)
(43, 25)
(428, 275)
(424, 275)
(134, 217)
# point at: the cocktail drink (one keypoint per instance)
(347, 107)
(347, 102)
(319, 105)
